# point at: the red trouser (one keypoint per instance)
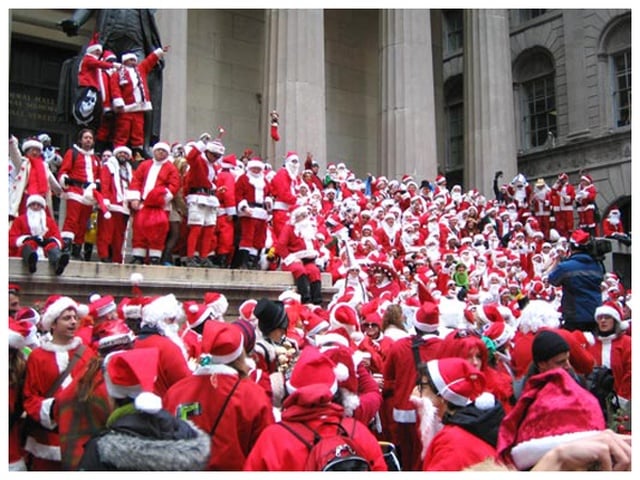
(224, 233)
(111, 234)
(298, 269)
(75, 222)
(129, 129)
(253, 234)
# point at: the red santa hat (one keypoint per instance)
(19, 331)
(563, 177)
(222, 341)
(28, 314)
(298, 213)
(128, 56)
(587, 179)
(406, 178)
(35, 198)
(94, 46)
(613, 309)
(132, 373)
(313, 371)
(428, 317)
(101, 306)
(160, 309)
(215, 146)
(312, 323)
(255, 163)
(343, 315)
(554, 409)
(162, 146)
(345, 371)
(290, 156)
(456, 380)
(440, 180)
(489, 313)
(113, 334)
(217, 302)
(500, 333)
(229, 161)
(196, 313)
(31, 142)
(122, 149)
(108, 55)
(14, 288)
(579, 238)
(245, 310)
(614, 212)
(53, 308)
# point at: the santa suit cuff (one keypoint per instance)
(132, 195)
(45, 414)
(118, 102)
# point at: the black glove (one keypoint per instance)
(462, 294)
(69, 26)
(498, 175)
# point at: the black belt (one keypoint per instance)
(72, 182)
(256, 205)
(205, 191)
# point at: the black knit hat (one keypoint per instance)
(546, 345)
(271, 315)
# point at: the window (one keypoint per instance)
(453, 30)
(534, 77)
(622, 87)
(454, 111)
(527, 14)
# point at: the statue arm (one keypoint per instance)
(71, 25)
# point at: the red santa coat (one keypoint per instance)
(44, 366)
(33, 177)
(615, 352)
(85, 169)
(453, 449)
(152, 175)
(114, 186)
(16, 452)
(172, 366)
(609, 229)
(246, 415)
(226, 192)
(248, 195)
(283, 189)
(277, 449)
(129, 84)
(291, 247)
(201, 173)
(90, 71)
(20, 231)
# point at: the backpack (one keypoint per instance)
(336, 452)
(600, 383)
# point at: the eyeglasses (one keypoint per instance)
(369, 325)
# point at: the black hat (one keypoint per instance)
(271, 315)
(425, 184)
(546, 345)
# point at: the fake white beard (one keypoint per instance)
(170, 330)
(480, 268)
(614, 220)
(538, 268)
(433, 227)
(390, 230)
(256, 179)
(513, 215)
(293, 170)
(37, 221)
(429, 423)
(305, 229)
(409, 238)
(494, 289)
(468, 261)
(456, 197)
(433, 253)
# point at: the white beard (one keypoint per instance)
(480, 269)
(513, 215)
(468, 261)
(170, 330)
(614, 220)
(293, 170)
(538, 268)
(256, 180)
(37, 221)
(429, 424)
(456, 197)
(433, 253)
(433, 227)
(390, 231)
(305, 229)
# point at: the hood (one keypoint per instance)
(484, 424)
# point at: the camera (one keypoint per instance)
(598, 248)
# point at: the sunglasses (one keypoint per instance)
(369, 325)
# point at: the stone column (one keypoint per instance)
(576, 72)
(295, 84)
(407, 115)
(173, 28)
(489, 134)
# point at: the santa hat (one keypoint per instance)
(586, 178)
(159, 310)
(101, 306)
(35, 198)
(313, 370)
(94, 46)
(128, 56)
(428, 317)
(19, 331)
(162, 146)
(579, 238)
(122, 149)
(500, 333)
(553, 409)
(614, 212)
(373, 318)
(229, 161)
(14, 288)
(343, 315)
(271, 315)
(345, 371)
(53, 308)
(31, 142)
(563, 177)
(489, 313)
(222, 341)
(440, 180)
(132, 373)
(28, 314)
(112, 334)
(245, 310)
(289, 295)
(610, 308)
(298, 213)
(291, 156)
(312, 323)
(248, 331)
(217, 302)
(196, 313)
(108, 55)
(456, 380)
(255, 163)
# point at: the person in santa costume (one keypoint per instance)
(221, 399)
(563, 196)
(35, 234)
(131, 98)
(139, 434)
(283, 189)
(115, 177)
(202, 202)
(612, 227)
(32, 176)
(223, 241)
(46, 375)
(104, 132)
(297, 246)
(19, 331)
(586, 204)
(311, 387)
(79, 175)
(541, 206)
(612, 348)
(459, 420)
(253, 201)
(158, 329)
(155, 182)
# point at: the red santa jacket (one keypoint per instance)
(172, 366)
(283, 189)
(453, 449)
(614, 351)
(151, 175)
(129, 84)
(246, 415)
(291, 247)
(114, 185)
(79, 170)
(201, 174)
(226, 192)
(247, 194)
(20, 231)
(90, 71)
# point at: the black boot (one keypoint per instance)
(88, 251)
(66, 246)
(75, 251)
(304, 289)
(223, 261)
(253, 262)
(137, 261)
(316, 292)
(243, 259)
(30, 258)
(193, 262)
(154, 261)
(58, 260)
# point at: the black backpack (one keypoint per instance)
(600, 383)
(337, 452)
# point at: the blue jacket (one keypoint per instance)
(580, 277)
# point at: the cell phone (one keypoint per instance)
(186, 410)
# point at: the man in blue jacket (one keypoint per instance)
(580, 276)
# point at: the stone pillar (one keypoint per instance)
(407, 120)
(295, 84)
(576, 72)
(173, 28)
(489, 134)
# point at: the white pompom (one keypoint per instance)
(83, 310)
(193, 308)
(107, 215)
(485, 401)
(94, 297)
(148, 402)
(341, 371)
(136, 278)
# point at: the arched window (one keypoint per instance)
(534, 76)
(454, 114)
(616, 56)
